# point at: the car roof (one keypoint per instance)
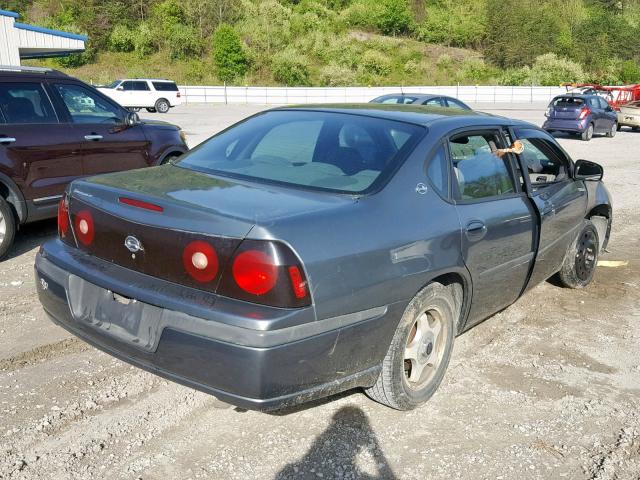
(13, 71)
(145, 80)
(411, 113)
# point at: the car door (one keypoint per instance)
(109, 144)
(142, 95)
(597, 113)
(38, 151)
(609, 114)
(497, 219)
(561, 202)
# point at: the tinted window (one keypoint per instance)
(165, 86)
(26, 103)
(438, 172)
(568, 102)
(86, 106)
(453, 103)
(433, 102)
(328, 151)
(135, 86)
(479, 172)
(603, 103)
(593, 102)
(543, 164)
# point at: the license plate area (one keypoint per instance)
(130, 321)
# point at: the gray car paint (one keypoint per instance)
(360, 253)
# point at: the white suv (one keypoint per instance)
(156, 95)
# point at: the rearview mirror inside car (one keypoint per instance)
(586, 170)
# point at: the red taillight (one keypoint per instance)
(584, 113)
(298, 283)
(140, 204)
(83, 227)
(200, 261)
(63, 218)
(178, 94)
(255, 272)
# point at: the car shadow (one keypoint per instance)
(334, 453)
(31, 236)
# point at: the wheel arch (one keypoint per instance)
(12, 194)
(460, 283)
(600, 216)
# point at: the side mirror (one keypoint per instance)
(586, 170)
(121, 88)
(132, 119)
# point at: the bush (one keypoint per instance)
(122, 39)
(395, 17)
(376, 63)
(363, 15)
(550, 70)
(196, 71)
(474, 70)
(290, 67)
(629, 72)
(515, 76)
(444, 62)
(229, 55)
(183, 42)
(76, 60)
(143, 43)
(411, 66)
(334, 75)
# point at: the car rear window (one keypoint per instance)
(319, 150)
(568, 102)
(165, 86)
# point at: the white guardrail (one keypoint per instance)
(297, 95)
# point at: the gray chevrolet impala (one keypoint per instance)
(309, 250)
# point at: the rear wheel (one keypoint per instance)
(618, 127)
(7, 227)
(588, 133)
(162, 105)
(581, 259)
(636, 129)
(420, 350)
(612, 131)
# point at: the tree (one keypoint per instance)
(229, 54)
(395, 17)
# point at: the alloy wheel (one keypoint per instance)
(424, 349)
(3, 228)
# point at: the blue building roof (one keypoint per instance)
(58, 33)
(7, 13)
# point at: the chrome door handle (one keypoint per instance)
(475, 230)
(7, 139)
(93, 137)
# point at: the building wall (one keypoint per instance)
(9, 42)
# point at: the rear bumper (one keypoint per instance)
(247, 367)
(566, 125)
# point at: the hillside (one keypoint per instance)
(348, 42)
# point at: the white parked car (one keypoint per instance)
(156, 95)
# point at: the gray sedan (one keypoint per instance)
(309, 250)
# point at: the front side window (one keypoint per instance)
(542, 163)
(478, 171)
(318, 150)
(433, 102)
(26, 103)
(85, 106)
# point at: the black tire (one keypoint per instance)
(168, 158)
(393, 387)
(635, 129)
(162, 105)
(581, 259)
(7, 227)
(588, 133)
(134, 109)
(618, 127)
(151, 110)
(612, 131)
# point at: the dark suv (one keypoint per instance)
(55, 128)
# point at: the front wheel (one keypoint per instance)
(420, 350)
(162, 106)
(151, 110)
(7, 227)
(581, 259)
(134, 109)
(588, 133)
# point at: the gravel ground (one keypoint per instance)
(548, 388)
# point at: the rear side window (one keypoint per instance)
(319, 150)
(165, 86)
(438, 172)
(452, 103)
(26, 103)
(478, 170)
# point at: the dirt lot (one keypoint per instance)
(548, 388)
